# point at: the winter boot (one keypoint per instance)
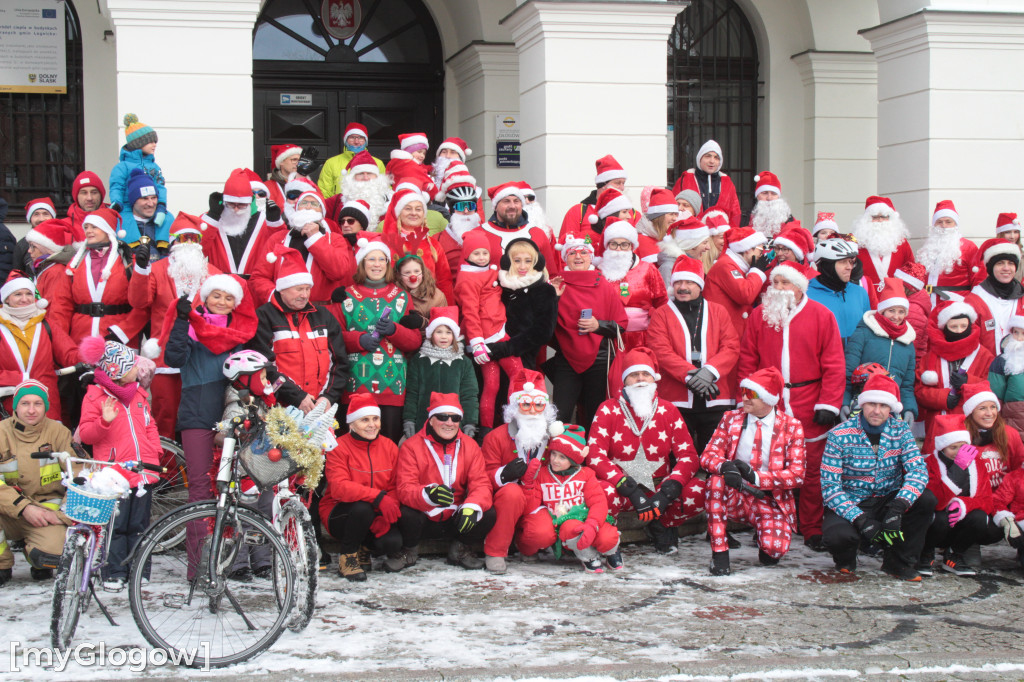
(412, 555)
(461, 555)
(365, 559)
(666, 540)
(720, 563)
(348, 567)
(40, 559)
(766, 559)
(614, 561)
(41, 573)
(5, 575)
(393, 563)
(496, 565)
(815, 543)
(925, 565)
(900, 571)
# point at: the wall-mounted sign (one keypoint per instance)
(341, 17)
(32, 45)
(297, 100)
(506, 135)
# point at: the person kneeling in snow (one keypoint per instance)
(569, 507)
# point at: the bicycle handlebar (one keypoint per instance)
(67, 458)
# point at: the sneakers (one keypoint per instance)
(263, 572)
(461, 555)
(906, 573)
(365, 559)
(325, 559)
(593, 565)
(925, 565)
(955, 564)
(496, 565)
(393, 563)
(614, 561)
(114, 584)
(766, 559)
(349, 568)
(242, 575)
(815, 543)
(41, 573)
(666, 540)
(720, 563)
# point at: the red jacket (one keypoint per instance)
(549, 490)
(218, 249)
(994, 467)
(112, 292)
(1008, 499)
(891, 263)
(932, 386)
(131, 436)
(421, 464)
(735, 287)
(50, 349)
(499, 449)
(330, 262)
(479, 296)
(977, 496)
(728, 201)
(585, 289)
(669, 338)
(917, 316)
(53, 284)
(961, 274)
(358, 471)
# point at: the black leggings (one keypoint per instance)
(588, 389)
(350, 523)
(422, 526)
(974, 529)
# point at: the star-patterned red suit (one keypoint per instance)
(614, 446)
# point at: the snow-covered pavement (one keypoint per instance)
(663, 618)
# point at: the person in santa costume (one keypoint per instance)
(284, 159)
(643, 455)
(755, 448)
(735, 280)
(660, 214)
(531, 304)
(462, 196)
(530, 421)
(883, 239)
(535, 214)
(1006, 375)
(612, 204)
(825, 226)
(715, 187)
(362, 181)
(568, 506)
(697, 349)
(610, 175)
(30, 348)
(834, 287)
(955, 357)
(793, 245)
(405, 231)
(509, 222)
(999, 296)
(1008, 228)
(964, 504)
(419, 284)
(442, 479)
(686, 237)
(801, 338)
(914, 278)
(718, 225)
(360, 506)
(37, 211)
(1008, 502)
(235, 232)
(1000, 448)
(50, 244)
(353, 219)
(873, 481)
(356, 139)
(947, 256)
(640, 284)
(771, 213)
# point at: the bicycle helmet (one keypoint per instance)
(835, 249)
(865, 371)
(244, 362)
(461, 193)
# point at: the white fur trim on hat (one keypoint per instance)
(883, 397)
(237, 200)
(767, 188)
(367, 245)
(41, 240)
(414, 139)
(293, 280)
(455, 148)
(32, 208)
(621, 229)
(408, 199)
(368, 411)
(611, 174)
(619, 203)
(944, 440)
(16, 284)
(930, 378)
(358, 206)
(824, 225)
(693, 235)
(893, 303)
(791, 245)
(98, 222)
(221, 282)
(1001, 249)
(640, 368)
(442, 322)
(687, 276)
(1016, 322)
(978, 398)
(400, 154)
(946, 213)
(756, 239)
(763, 393)
(363, 168)
(956, 309)
(909, 279)
(1008, 227)
(292, 150)
(510, 190)
(445, 409)
(661, 209)
(881, 208)
(791, 275)
(353, 129)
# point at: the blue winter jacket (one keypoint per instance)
(160, 234)
(851, 471)
(202, 378)
(848, 306)
(119, 176)
(870, 343)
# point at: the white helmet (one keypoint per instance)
(835, 249)
(244, 362)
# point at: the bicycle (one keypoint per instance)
(85, 547)
(291, 518)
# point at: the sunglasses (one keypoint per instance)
(460, 206)
(752, 395)
(186, 238)
(293, 194)
(538, 403)
(349, 221)
(260, 193)
(448, 418)
(529, 197)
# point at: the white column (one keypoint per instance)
(591, 82)
(185, 68)
(487, 83)
(949, 106)
(840, 132)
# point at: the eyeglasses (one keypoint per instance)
(579, 250)
(536, 403)
(462, 206)
(349, 221)
(186, 238)
(529, 197)
(448, 418)
(308, 203)
(620, 246)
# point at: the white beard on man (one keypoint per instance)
(767, 217)
(187, 267)
(536, 217)
(879, 238)
(1013, 356)
(299, 219)
(374, 192)
(234, 223)
(615, 265)
(532, 430)
(941, 250)
(641, 397)
(776, 307)
(461, 223)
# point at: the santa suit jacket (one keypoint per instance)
(978, 494)
(218, 249)
(113, 291)
(991, 461)
(876, 269)
(479, 296)
(330, 262)
(52, 282)
(809, 353)
(728, 201)
(994, 315)
(665, 438)
(781, 474)
(358, 471)
(642, 291)
(669, 338)
(421, 463)
(734, 286)
(932, 386)
(1008, 498)
(961, 275)
(50, 349)
(499, 449)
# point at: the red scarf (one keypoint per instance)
(585, 289)
(889, 327)
(240, 330)
(953, 350)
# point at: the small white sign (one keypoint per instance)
(295, 100)
(507, 126)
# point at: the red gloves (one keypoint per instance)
(529, 479)
(389, 509)
(379, 527)
(586, 537)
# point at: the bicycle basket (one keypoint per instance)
(252, 454)
(86, 506)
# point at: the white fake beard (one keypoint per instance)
(880, 239)
(616, 264)
(1013, 352)
(461, 223)
(374, 192)
(532, 429)
(187, 267)
(233, 223)
(641, 398)
(776, 307)
(261, 203)
(299, 219)
(535, 217)
(437, 168)
(768, 216)
(941, 250)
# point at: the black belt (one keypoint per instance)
(102, 309)
(801, 384)
(938, 290)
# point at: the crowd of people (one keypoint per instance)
(824, 382)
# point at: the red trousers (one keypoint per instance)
(166, 392)
(509, 507)
(728, 504)
(512, 366)
(811, 508)
(689, 504)
(538, 532)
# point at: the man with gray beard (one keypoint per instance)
(771, 213)
(882, 237)
(530, 420)
(361, 180)
(156, 288)
(946, 255)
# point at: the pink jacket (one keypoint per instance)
(131, 436)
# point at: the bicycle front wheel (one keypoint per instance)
(304, 554)
(171, 491)
(210, 619)
(68, 598)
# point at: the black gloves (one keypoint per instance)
(142, 256)
(273, 211)
(308, 161)
(216, 205)
(746, 471)
(116, 207)
(892, 522)
(412, 321)
(731, 473)
(441, 495)
(825, 418)
(466, 519)
(867, 527)
(368, 343)
(670, 491)
(702, 382)
(641, 503)
(626, 486)
(762, 262)
(183, 307)
(513, 471)
(339, 295)
(384, 327)
(957, 381)
(111, 336)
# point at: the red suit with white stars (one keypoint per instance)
(773, 517)
(613, 445)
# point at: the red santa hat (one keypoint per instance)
(880, 388)
(1007, 222)
(15, 282)
(289, 268)
(914, 274)
(687, 269)
(237, 189)
(457, 145)
(106, 220)
(766, 383)
(256, 183)
(740, 239)
(617, 228)
(798, 240)
(443, 316)
(457, 175)
(949, 429)
(229, 284)
(473, 240)
(572, 443)
(662, 202)
(997, 246)
(361, 405)
(893, 295)
(610, 202)
(717, 221)
(955, 309)
(363, 162)
(526, 190)
(355, 129)
(880, 206)
(689, 230)
(826, 220)
(640, 359)
(444, 403)
(405, 197)
(46, 204)
(280, 152)
(766, 181)
(365, 246)
(52, 235)
(977, 393)
(945, 209)
(413, 142)
(608, 169)
(528, 382)
(314, 194)
(506, 189)
(792, 273)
